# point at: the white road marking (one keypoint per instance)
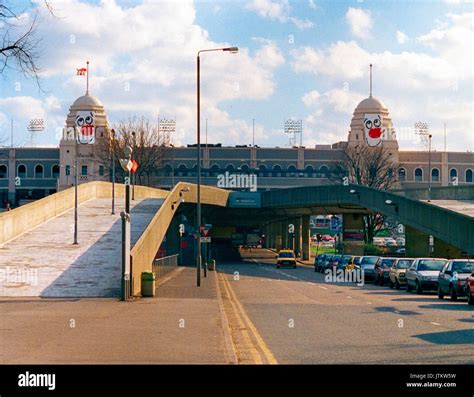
(349, 297)
(369, 303)
(431, 322)
(320, 286)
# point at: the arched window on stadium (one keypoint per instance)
(469, 176)
(277, 170)
(339, 172)
(194, 170)
(453, 173)
(168, 170)
(323, 171)
(244, 168)
(39, 171)
(262, 170)
(402, 174)
(3, 171)
(214, 170)
(55, 171)
(291, 171)
(434, 175)
(229, 168)
(182, 170)
(418, 175)
(309, 171)
(21, 171)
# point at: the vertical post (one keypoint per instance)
(172, 166)
(11, 137)
(198, 259)
(127, 195)
(75, 190)
(429, 166)
(113, 172)
(133, 186)
(253, 132)
(126, 279)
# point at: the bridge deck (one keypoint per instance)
(44, 262)
(465, 207)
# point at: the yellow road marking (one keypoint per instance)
(245, 334)
(270, 358)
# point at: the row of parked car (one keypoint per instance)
(453, 277)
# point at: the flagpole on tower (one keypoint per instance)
(87, 75)
(370, 95)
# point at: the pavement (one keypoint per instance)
(44, 262)
(182, 324)
(303, 319)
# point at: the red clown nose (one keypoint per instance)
(375, 133)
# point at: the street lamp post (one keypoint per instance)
(76, 179)
(133, 176)
(232, 50)
(113, 171)
(423, 130)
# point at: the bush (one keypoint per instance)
(371, 249)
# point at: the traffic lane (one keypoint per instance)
(306, 322)
(428, 306)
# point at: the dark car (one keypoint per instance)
(367, 264)
(318, 262)
(423, 274)
(334, 261)
(345, 261)
(382, 270)
(452, 278)
(469, 286)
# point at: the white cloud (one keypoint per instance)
(278, 10)
(312, 4)
(401, 37)
(360, 22)
(432, 86)
(137, 68)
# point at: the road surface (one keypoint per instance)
(294, 316)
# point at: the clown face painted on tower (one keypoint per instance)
(373, 130)
(85, 124)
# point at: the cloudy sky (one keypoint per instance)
(302, 59)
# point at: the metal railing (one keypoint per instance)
(162, 266)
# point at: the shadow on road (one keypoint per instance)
(392, 309)
(464, 336)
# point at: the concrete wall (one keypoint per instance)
(144, 251)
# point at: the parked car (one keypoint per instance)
(390, 242)
(334, 261)
(318, 262)
(469, 286)
(327, 237)
(452, 278)
(382, 270)
(326, 264)
(397, 274)
(423, 274)
(400, 241)
(367, 264)
(286, 258)
(345, 261)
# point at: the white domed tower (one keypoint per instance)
(85, 133)
(371, 124)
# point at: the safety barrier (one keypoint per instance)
(144, 251)
(162, 266)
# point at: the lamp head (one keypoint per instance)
(232, 50)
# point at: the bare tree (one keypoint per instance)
(372, 167)
(19, 45)
(149, 146)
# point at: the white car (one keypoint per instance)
(390, 242)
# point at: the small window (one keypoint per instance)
(84, 170)
(101, 170)
(55, 171)
(468, 175)
(68, 170)
(39, 171)
(435, 175)
(418, 175)
(453, 173)
(402, 174)
(3, 171)
(22, 171)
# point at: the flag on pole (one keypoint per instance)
(134, 166)
(81, 71)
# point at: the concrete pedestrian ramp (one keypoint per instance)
(43, 261)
